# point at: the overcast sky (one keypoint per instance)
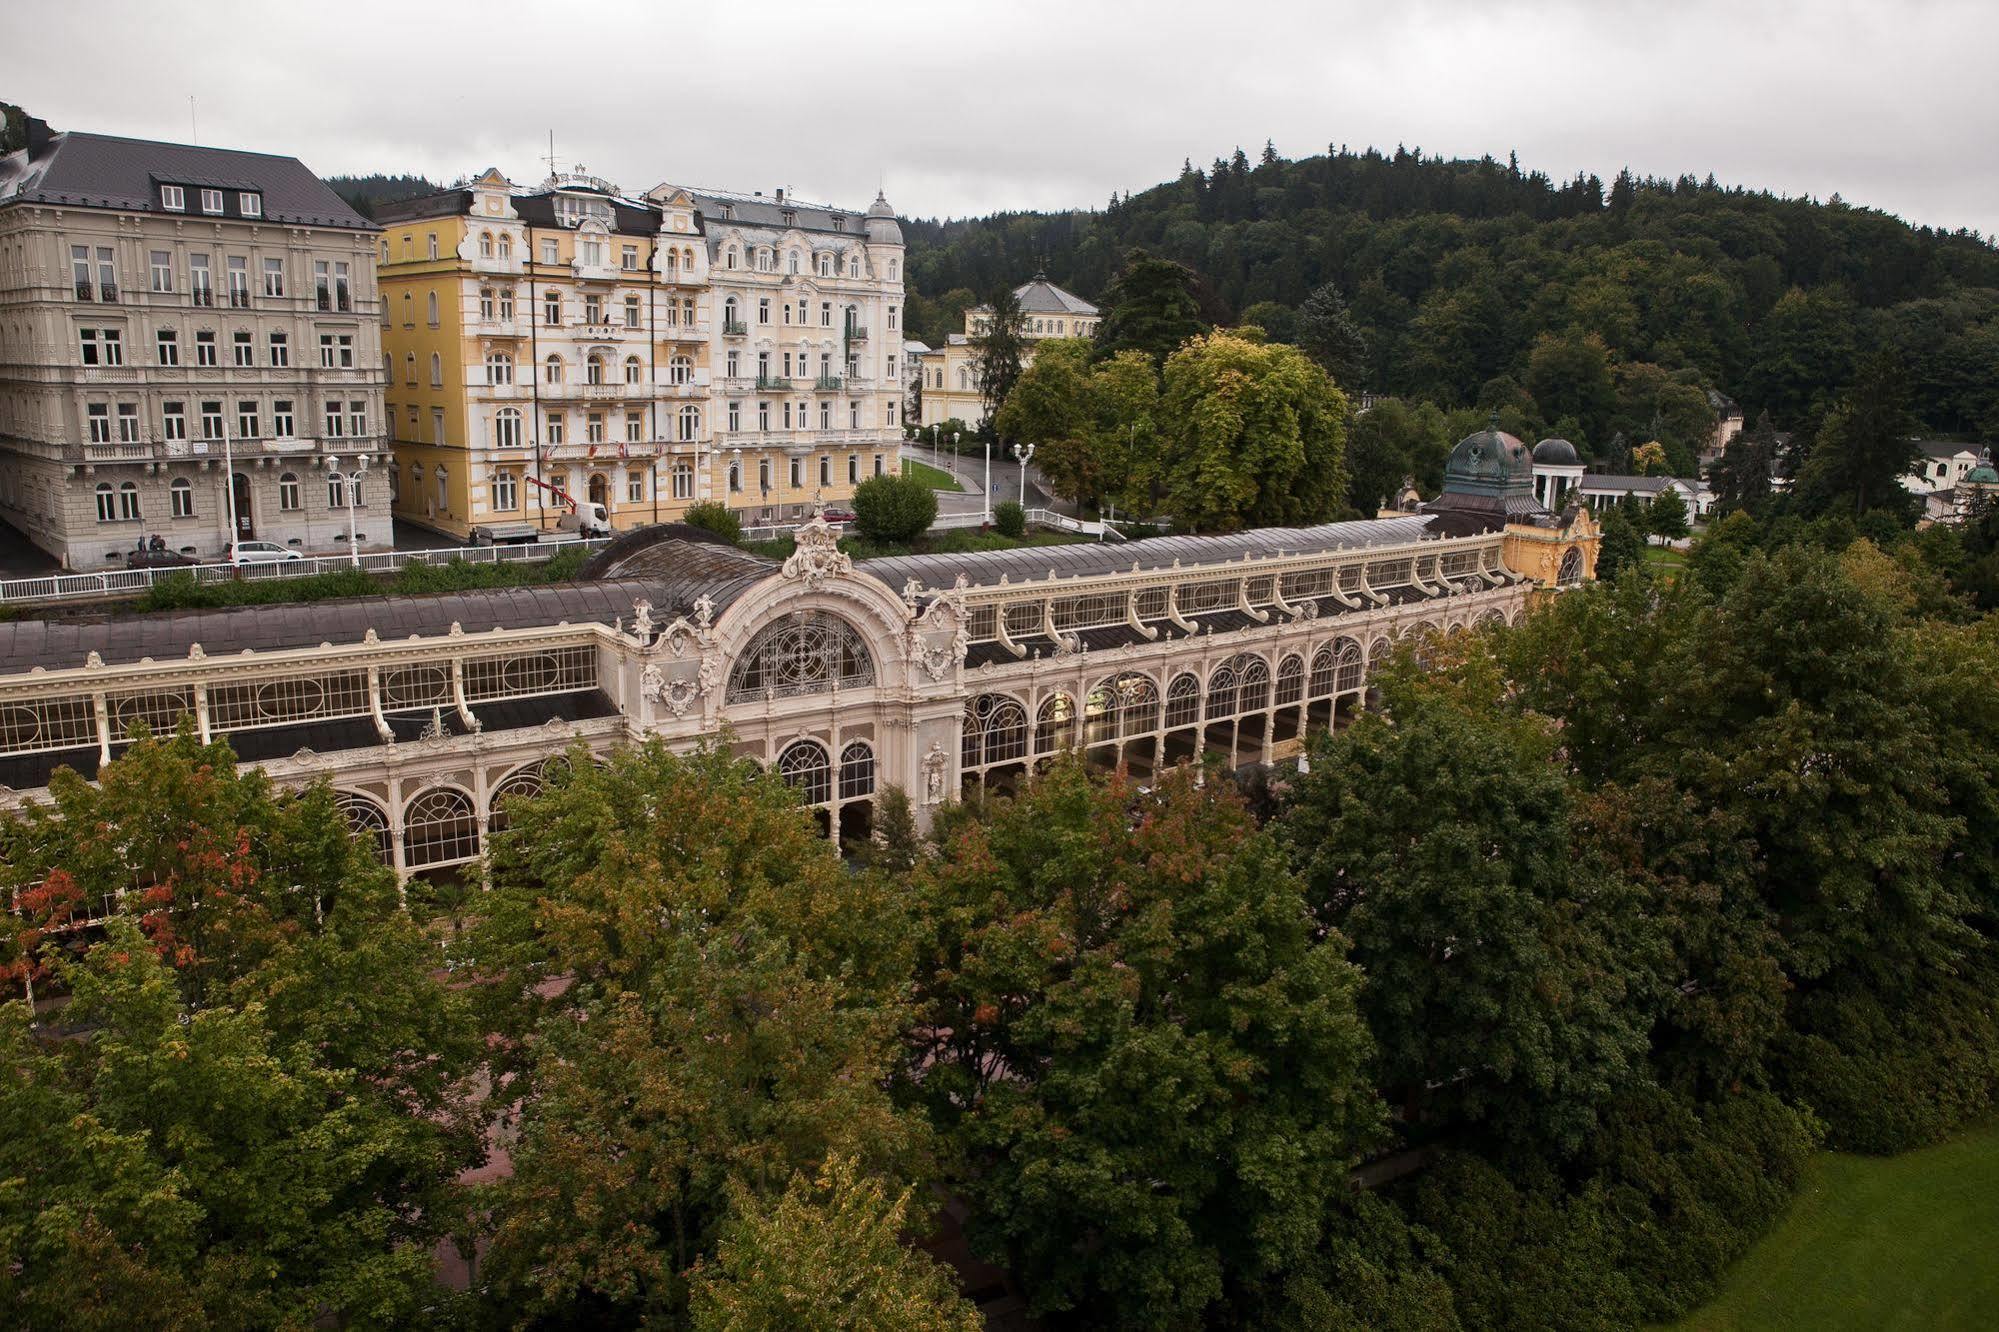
(1008, 104)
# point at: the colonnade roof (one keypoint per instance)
(984, 568)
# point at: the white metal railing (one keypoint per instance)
(113, 582)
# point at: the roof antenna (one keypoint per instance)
(192, 136)
(551, 152)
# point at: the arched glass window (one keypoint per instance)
(995, 731)
(507, 428)
(183, 497)
(1571, 571)
(1183, 701)
(805, 769)
(499, 368)
(485, 245)
(1493, 618)
(690, 423)
(436, 370)
(1123, 705)
(551, 369)
(520, 784)
(1325, 673)
(439, 828)
(680, 370)
(107, 503)
(1055, 724)
(367, 823)
(1290, 679)
(506, 247)
(634, 370)
(1240, 684)
(857, 770)
(804, 653)
(1352, 667)
(593, 369)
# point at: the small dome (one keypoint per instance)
(882, 227)
(1556, 453)
(1982, 475)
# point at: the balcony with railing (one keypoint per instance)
(829, 383)
(331, 299)
(857, 333)
(771, 380)
(202, 295)
(735, 328)
(239, 298)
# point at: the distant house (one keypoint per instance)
(1944, 474)
(951, 373)
(1600, 490)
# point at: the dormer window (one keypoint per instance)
(728, 210)
(174, 198)
(251, 203)
(839, 223)
(790, 218)
(211, 201)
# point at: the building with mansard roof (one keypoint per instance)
(189, 350)
(942, 674)
(950, 374)
(566, 344)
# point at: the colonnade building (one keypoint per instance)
(568, 343)
(189, 339)
(941, 674)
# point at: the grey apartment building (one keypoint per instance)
(189, 338)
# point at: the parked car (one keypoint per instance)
(261, 552)
(838, 516)
(157, 559)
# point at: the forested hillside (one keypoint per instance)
(1454, 271)
(363, 192)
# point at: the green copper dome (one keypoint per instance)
(1490, 472)
(1983, 475)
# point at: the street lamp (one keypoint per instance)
(989, 477)
(350, 484)
(1023, 454)
(1130, 446)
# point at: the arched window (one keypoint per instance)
(506, 247)
(857, 770)
(1325, 673)
(690, 423)
(507, 428)
(1491, 618)
(551, 369)
(825, 264)
(485, 245)
(520, 784)
(1290, 679)
(1240, 684)
(1352, 667)
(1122, 705)
(729, 257)
(499, 368)
(1378, 652)
(599, 489)
(593, 368)
(1571, 571)
(183, 497)
(436, 370)
(432, 311)
(367, 822)
(107, 503)
(994, 731)
(128, 500)
(634, 370)
(1183, 701)
(803, 653)
(805, 769)
(680, 370)
(439, 828)
(791, 262)
(1055, 724)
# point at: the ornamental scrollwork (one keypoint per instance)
(817, 555)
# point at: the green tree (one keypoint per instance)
(711, 516)
(1569, 376)
(1009, 519)
(1279, 322)
(894, 509)
(1864, 448)
(1741, 477)
(1666, 515)
(272, 1084)
(13, 128)
(731, 1011)
(1329, 335)
(1622, 546)
(1253, 435)
(1502, 992)
(826, 1255)
(1142, 1050)
(1149, 307)
(999, 350)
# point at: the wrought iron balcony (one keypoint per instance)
(735, 328)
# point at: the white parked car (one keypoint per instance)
(261, 552)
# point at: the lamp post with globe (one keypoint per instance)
(350, 491)
(1023, 454)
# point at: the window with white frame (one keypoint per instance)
(506, 491)
(634, 427)
(289, 494)
(173, 420)
(211, 420)
(283, 423)
(499, 368)
(690, 423)
(166, 347)
(107, 503)
(162, 270)
(181, 498)
(634, 370)
(242, 350)
(281, 350)
(128, 423)
(247, 421)
(635, 487)
(128, 501)
(507, 429)
(173, 198)
(250, 203)
(98, 415)
(204, 348)
(683, 480)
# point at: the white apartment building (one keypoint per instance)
(187, 336)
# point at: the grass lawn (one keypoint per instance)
(929, 475)
(1905, 1242)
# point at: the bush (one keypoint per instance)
(893, 508)
(716, 518)
(1010, 519)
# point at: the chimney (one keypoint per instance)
(39, 135)
(780, 194)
